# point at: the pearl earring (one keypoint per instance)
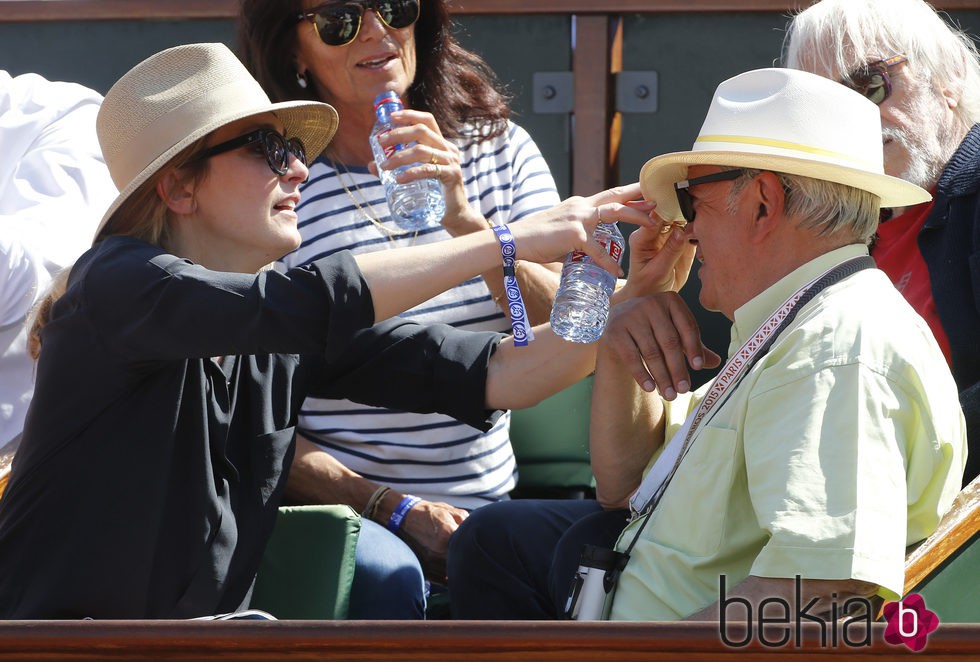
(301, 80)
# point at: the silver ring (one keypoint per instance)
(598, 211)
(438, 170)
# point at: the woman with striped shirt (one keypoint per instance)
(376, 459)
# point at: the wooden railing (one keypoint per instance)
(80, 10)
(55, 10)
(397, 641)
(957, 528)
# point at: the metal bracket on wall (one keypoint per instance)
(553, 91)
(636, 91)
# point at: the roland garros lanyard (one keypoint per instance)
(648, 495)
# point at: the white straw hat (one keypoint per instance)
(787, 121)
(179, 95)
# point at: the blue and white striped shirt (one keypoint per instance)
(430, 455)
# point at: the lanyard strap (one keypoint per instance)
(654, 484)
(519, 323)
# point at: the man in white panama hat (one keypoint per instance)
(829, 441)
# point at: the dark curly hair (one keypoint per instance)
(454, 84)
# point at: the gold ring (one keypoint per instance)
(433, 160)
(666, 228)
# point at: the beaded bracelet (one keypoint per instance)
(519, 323)
(405, 505)
(372, 505)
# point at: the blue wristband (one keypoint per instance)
(519, 323)
(405, 505)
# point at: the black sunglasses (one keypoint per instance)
(338, 23)
(872, 80)
(276, 147)
(684, 199)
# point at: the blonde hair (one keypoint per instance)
(143, 216)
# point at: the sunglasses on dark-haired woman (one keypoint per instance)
(338, 23)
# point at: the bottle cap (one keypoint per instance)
(388, 96)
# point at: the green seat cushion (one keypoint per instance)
(947, 591)
(308, 565)
(551, 439)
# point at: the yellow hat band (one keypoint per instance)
(782, 144)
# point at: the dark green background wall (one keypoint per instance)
(692, 53)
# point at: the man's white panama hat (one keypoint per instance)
(786, 121)
(179, 95)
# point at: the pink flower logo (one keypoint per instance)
(909, 622)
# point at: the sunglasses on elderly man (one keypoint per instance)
(684, 199)
(872, 80)
(338, 23)
(275, 146)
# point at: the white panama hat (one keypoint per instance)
(179, 95)
(787, 121)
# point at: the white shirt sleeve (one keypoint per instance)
(54, 185)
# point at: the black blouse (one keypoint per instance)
(148, 478)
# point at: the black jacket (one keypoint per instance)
(148, 478)
(950, 244)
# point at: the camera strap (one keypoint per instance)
(645, 500)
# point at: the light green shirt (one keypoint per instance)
(842, 445)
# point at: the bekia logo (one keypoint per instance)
(909, 622)
(781, 622)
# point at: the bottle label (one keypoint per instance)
(612, 247)
(390, 149)
(615, 250)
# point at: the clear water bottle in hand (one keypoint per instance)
(413, 205)
(581, 305)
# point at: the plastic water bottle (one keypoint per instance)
(582, 303)
(414, 205)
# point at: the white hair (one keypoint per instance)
(821, 206)
(840, 35)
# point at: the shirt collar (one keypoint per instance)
(754, 312)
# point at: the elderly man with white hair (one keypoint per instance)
(829, 441)
(924, 75)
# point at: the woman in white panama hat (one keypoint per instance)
(172, 367)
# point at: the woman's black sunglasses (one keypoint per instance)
(684, 199)
(276, 147)
(872, 80)
(338, 23)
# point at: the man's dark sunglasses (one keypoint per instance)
(338, 23)
(872, 80)
(684, 199)
(277, 149)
